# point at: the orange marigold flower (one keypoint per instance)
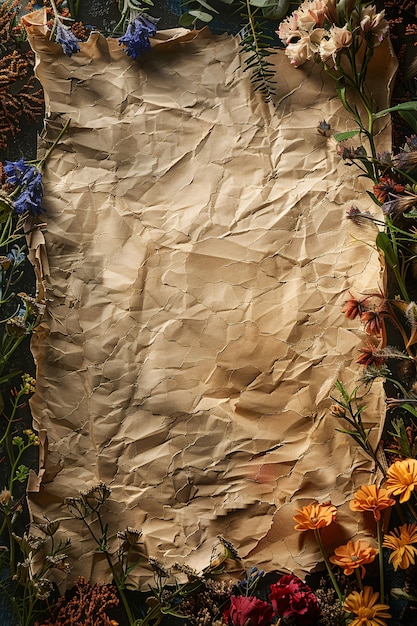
(401, 478)
(315, 516)
(400, 541)
(353, 555)
(364, 605)
(371, 498)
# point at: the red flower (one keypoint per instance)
(386, 186)
(369, 356)
(374, 324)
(248, 611)
(292, 598)
(353, 307)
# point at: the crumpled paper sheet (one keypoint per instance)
(196, 262)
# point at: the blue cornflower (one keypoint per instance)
(16, 171)
(136, 37)
(67, 39)
(28, 180)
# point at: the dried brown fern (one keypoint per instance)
(20, 97)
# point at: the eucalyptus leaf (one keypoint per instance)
(346, 135)
(206, 5)
(201, 15)
(404, 106)
(276, 11)
(186, 20)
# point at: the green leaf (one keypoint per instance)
(410, 119)
(384, 243)
(276, 11)
(347, 135)
(186, 20)
(201, 15)
(404, 106)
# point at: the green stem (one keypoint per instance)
(359, 579)
(129, 614)
(57, 140)
(381, 560)
(328, 566)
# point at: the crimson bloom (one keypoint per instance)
(353, 307)
(248, 611)
(292, 598)
(386, 186)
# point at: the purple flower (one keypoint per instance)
(16, 171)
(67, 39)
(28, 180)
(136, 37)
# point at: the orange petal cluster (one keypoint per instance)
(371, 498)
(401, 478)
(364, 605)
(314, 516)
(353, 555)
(401, 541)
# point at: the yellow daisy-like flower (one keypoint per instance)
(401, 478)
(400, 541)
(353, 555)
(315, 516)
(371, 498)
(364, 605)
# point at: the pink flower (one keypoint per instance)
(292, 598)
(303, 50)
(338, 38)
(310, 13)
(248, 610)
(373, 22)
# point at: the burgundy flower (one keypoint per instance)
(353, 307)
(369, 356)
(248, 610)
(374, 324)
(386, 186)
(292, 598)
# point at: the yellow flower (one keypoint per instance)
(364, 605)
(315, 516)
(353, 555)
(400, 541)
(371, 498)
(401, 478)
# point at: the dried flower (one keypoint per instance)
(401, 541)
(44, 588)
(353, 555)
(370, 356)
(77, 507)
(129, 537)
(364, 605)
(371, 498)
(401, 478)
(96, 496)
(136, 37)
(5, 497)
(373, 322)
(315, 516)
(292, 599)
(386, 186)
(59, 561)
(66, 38)
(353, 307)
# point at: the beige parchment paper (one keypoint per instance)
(195, 265)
